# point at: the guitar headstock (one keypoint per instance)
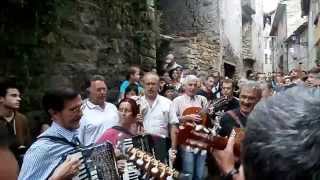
(150, 165)
(191, 135)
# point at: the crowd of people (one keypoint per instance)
(280, 116)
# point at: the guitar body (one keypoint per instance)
(199, 111)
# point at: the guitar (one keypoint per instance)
(198, 136)
(199, 111)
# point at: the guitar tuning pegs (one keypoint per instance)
(206, 130)
(198, 128)
(133, 156)
(139, 162)
(163, 172)
(154, 171)
(147, 160)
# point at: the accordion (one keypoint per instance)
(142, 142)
(97, 162)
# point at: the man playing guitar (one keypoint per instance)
(250, 94)
(193, 161)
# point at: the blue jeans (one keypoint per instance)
(193, 165)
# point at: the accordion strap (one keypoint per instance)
(60, 140)
(121, 129)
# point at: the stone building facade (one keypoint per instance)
(194, 26)
(58, 42)
(205, 33)
(311, 10)
(202, 27)
(290, 42)
(252, 32)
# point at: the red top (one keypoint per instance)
(114, 134)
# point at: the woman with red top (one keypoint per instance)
(128, 110)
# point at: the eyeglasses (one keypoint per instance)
(77, 109)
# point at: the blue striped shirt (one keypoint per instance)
(44, 155)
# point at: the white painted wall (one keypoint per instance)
(294, 19)
(314, 9)
(267, 50)
(232, 23)
(257, 35)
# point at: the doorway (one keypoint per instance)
(229, 70)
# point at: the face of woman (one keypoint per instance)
(125, 113)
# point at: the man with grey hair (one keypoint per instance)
(98, 115)
(281, 140)
(193, 162)
(250, 94)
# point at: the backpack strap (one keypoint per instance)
(235, 118)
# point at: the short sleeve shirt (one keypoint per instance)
(184, 101)
(158, 116)
(96, 120)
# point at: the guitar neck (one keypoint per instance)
(189, 136)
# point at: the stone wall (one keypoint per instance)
(197, 51)
(56, 42)
(81, 38)
(190, 16)
(195, 28)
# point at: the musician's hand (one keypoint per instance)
(192, 117)
(117, 152)
(139, 118)
(226, 158)
(67, 170)
(121, 164)
(172, 155)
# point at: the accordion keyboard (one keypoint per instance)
(131, 172)
(143, 142)
(97, 162)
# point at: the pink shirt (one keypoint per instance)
(113, 135)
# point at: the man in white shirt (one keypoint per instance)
(158, 117)
(98, 115)
(193, 162)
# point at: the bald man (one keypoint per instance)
(158, 118)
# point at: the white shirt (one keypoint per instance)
(157, 117)
(215, 89)
(184, 101)
(96, 120)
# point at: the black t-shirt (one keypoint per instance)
(227, 122)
